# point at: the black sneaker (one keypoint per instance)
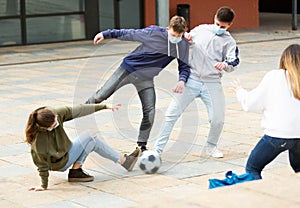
(143, 148)
(131, 159)
(78, 175)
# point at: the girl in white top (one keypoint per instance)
(278, 98)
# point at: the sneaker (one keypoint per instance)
(78, 175)
(212, 151)
(131, 159)
(143, 148)
(136, 152)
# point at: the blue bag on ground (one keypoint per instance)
(230, 179)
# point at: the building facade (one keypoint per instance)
(25, 22)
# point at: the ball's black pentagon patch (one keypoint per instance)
(151, 158)
(154, 170)
(142, 166)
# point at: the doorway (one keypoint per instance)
(276, 14)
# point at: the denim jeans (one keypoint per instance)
(146, 94)
(267, 149)
(85, 144)
(211, 93)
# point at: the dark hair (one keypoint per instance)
(41, 117)
(225, 14)
(178, 24)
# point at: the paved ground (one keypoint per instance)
(67, 73)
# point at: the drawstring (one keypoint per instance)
(168, 47)
(177, 51)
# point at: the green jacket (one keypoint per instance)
(49, 150)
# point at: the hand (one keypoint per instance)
(179, 87)
(98, 38)
(114, 108)
(36, 189)
(220, 66)
(188, 37)
(236, 85)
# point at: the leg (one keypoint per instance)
(294, 155)
(116, 81)
(105, 150)
(175, 109)
(77, 152)
(265, 151)
(77, 155)
(213, 98)
(85, 144)
(148, 99)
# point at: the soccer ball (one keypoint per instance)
(149, 161)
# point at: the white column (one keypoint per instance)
(162, 13)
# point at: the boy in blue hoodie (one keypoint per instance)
(159, 46)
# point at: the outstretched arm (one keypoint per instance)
(251, 100)
(139, 35)
(98, 38)
(67, 113)
(113, 108)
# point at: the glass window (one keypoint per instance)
(10, 32)
(53, 6)
(9, 7)
(55, 28)
(106, 13)
(130, 14)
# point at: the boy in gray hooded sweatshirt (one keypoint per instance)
(214, 52)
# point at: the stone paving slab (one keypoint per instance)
(67, 73)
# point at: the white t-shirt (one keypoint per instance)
(273, 97)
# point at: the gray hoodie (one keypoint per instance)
(208, 49)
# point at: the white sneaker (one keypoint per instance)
(212, 151)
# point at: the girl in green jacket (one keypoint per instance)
(51, 149)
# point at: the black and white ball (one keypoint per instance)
(149, 161)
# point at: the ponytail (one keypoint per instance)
(31, 128)
(41, 117)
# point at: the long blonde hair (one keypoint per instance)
(41, 117)
(290, 61)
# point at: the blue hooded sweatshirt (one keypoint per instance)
(154, 53)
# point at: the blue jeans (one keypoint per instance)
(267, 149)
(146, 94)
(211, 93)
(85, 144)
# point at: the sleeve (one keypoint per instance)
(41, 162)
(183, 60)
(184, 70)
(68, 113)
(232, 57)
(44, 174)
(195, 31)
(139, 35)
(254, 100)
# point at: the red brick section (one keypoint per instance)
(202, 11)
